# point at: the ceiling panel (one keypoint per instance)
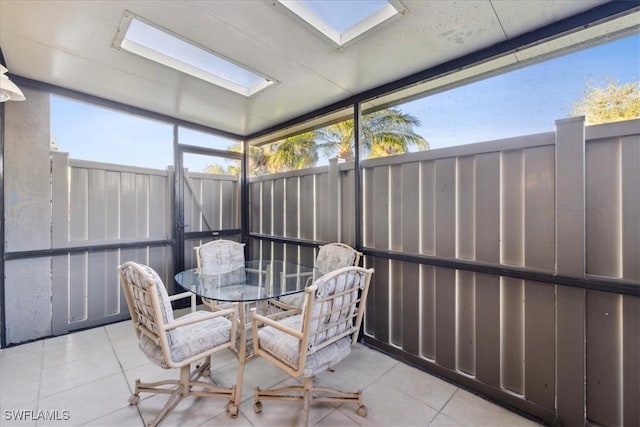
(69, 44)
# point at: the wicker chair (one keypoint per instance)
(175, 343)
(217, 257)
(331, 256)
(318, 338)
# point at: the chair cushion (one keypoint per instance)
(287, 348)
(330, 258)
(325, 326)
(296, 300)
(221, 257)
(189, 340)
(134, 276)
(333, 257)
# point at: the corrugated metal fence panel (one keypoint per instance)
(630, 170)
(347, 206)
(307, 207)
(613, 358)
(539, 208)
(603, 211)
(211, 199)
(279, 197)
(427, 217)
(631, 360)
(613, 207)
(604, 358)
(512, 253)
(292, 198)
(427, 319)
(105, 204)
(465, 280)
(495, 203)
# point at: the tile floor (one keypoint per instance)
(86, 378)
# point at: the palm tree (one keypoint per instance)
(259, 159)
(384, 132)
(296, 152)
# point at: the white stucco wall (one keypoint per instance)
(27, 216)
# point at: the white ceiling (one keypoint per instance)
(69, 44)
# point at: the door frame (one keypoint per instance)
(180, 235)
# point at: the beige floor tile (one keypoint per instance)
(441, 420)
(79, 372)
(20, 369)
(284, 413)
(90, 401)
(18, 389)
(87, 339)
(357, 371)
(337, 419)
(468, 409)
(91, 374)
(125, 417)
(371, 362)
(192, 411)
(129, 355)
(25, 416)
(148, 373)
(426, 388)
(56, 357)
(21, 355)
(121, 331)
(224, 420)
(389, 407)
(19, 383)
(257, 373)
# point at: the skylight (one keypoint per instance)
(151, 42)
(343, 21)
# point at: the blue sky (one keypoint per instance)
(520, 102)
(525, 101)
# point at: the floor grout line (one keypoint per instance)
(444, 406)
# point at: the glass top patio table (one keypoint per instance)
(257, 280)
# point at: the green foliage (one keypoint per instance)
(384, 132)
(608, 101)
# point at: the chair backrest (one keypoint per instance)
(147, 299)
(334, 306)
(220, 256)
(333, 256)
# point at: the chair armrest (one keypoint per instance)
(304, 274)
(183, 295)
(180, 296)
(283, 305)
(209, 315)
(257, 318)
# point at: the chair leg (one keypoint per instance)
(182, 388)
(308, 393)
(307, 384)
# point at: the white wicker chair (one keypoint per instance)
(175, 343)
(318, 338)
(218, 257)
(331, 257)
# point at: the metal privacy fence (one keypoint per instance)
(457, 237)
(97, 204)
(511, 267)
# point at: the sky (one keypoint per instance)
(525, 101)
(521, 102)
